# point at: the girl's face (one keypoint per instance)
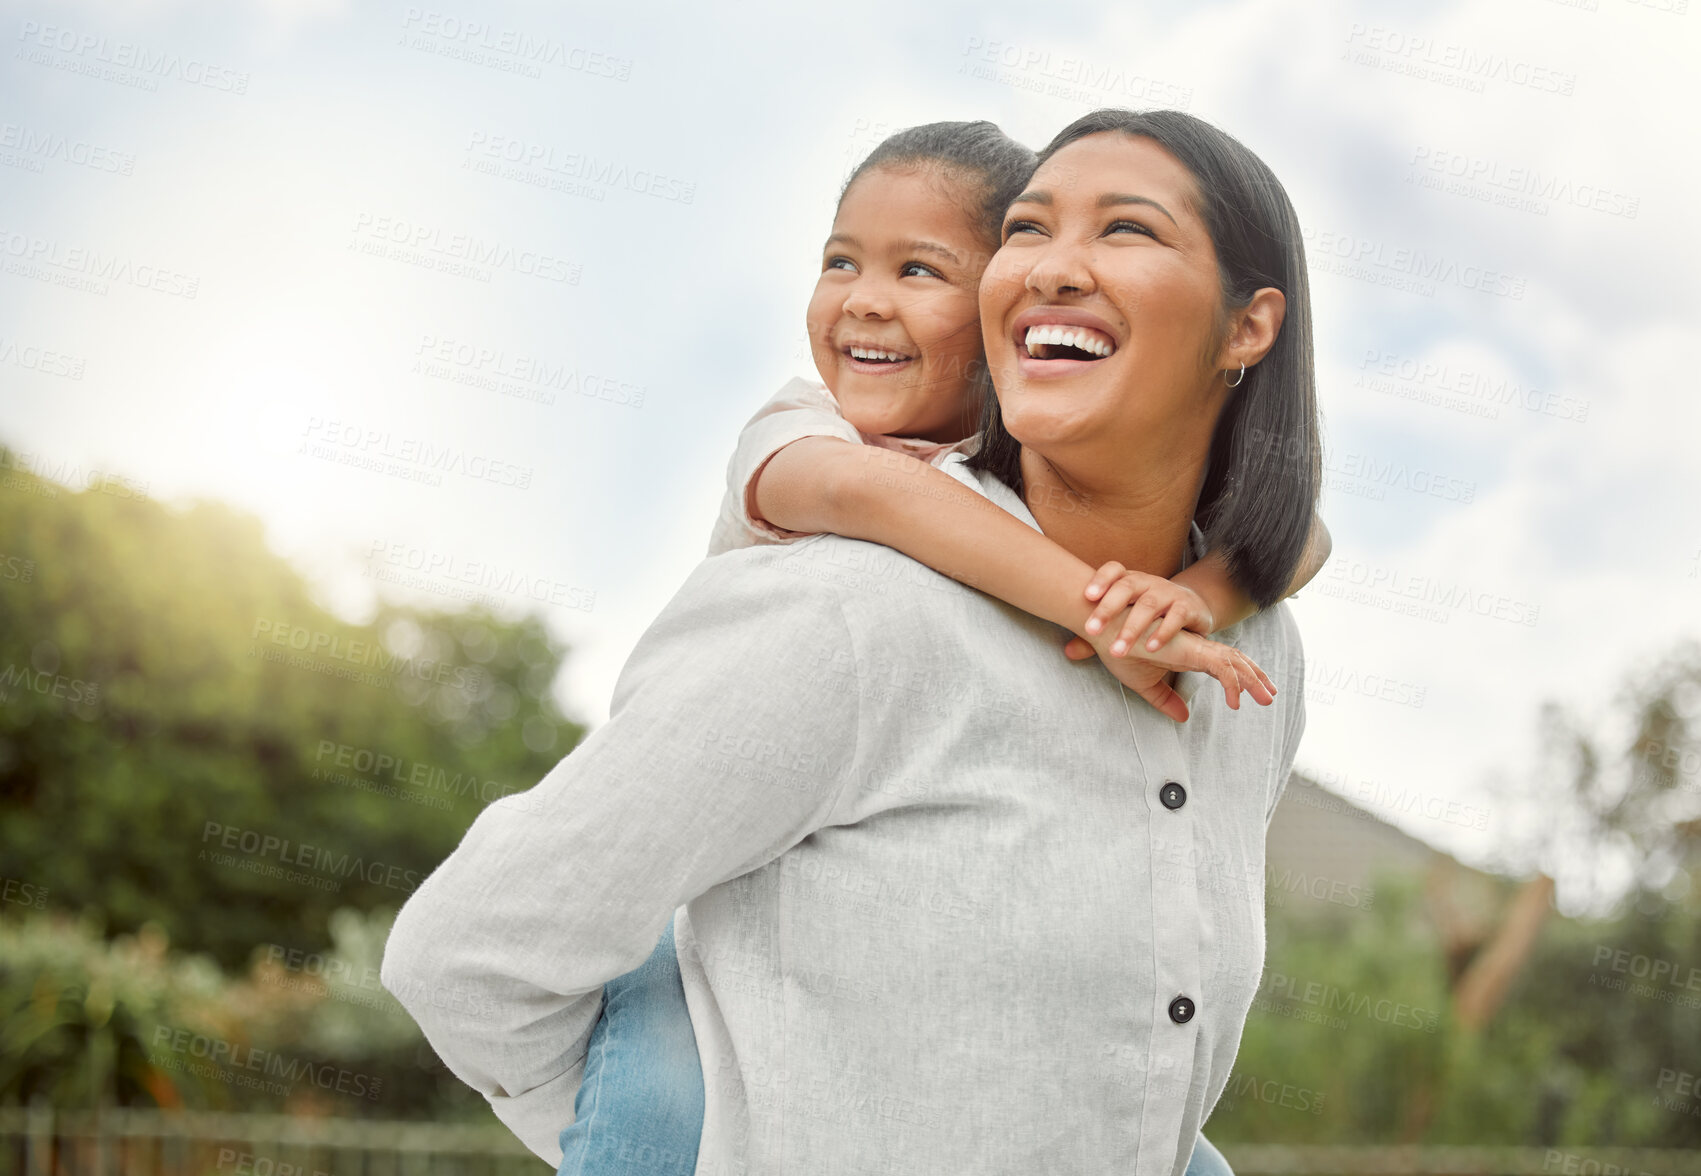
(894, 323)
(1103, 308)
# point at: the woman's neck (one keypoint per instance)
(1139, 518)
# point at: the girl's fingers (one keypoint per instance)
(1116, 598)
(1078, 649)
(1175, 620)
(1139, 620)
(1103, 579)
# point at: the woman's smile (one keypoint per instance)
(1054, 341)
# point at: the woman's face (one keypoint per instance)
(1102, 311)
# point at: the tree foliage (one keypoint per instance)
(188, 737)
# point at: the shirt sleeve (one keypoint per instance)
(1292, 684)
(800, 409)
(728, 742)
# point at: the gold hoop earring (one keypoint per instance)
(1235, 383)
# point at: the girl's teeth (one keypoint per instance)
(876, 354)
(1057, 336)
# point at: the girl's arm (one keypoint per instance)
(1201, 597)
(820, 484)
(802, 408)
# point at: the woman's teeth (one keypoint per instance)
(875, 355)
(1040, 340)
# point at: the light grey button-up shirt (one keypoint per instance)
(940, 914)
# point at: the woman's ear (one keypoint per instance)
(1253, 329)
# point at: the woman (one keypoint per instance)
(952, 903)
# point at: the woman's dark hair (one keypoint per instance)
(993, 167)
(1265, 464)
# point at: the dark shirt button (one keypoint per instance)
(1173, 795)
(1181, 1010)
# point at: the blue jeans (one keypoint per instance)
(639, 1111)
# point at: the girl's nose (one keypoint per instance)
(868, 302)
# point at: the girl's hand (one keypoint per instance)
(1148, 674)
(1147, 598)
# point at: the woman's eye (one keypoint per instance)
(1019, 226)
(1128, 226)
(843, 263)
(912, 269)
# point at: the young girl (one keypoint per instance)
(894, 328)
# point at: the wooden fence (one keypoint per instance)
(43, 1142)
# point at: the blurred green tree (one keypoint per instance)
(188, 737)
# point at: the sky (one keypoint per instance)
(282, 252)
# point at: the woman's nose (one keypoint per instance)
(1062, 270)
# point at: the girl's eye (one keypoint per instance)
(1019, 226)
(1128, 226)
(843, 263)
(915, 268)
